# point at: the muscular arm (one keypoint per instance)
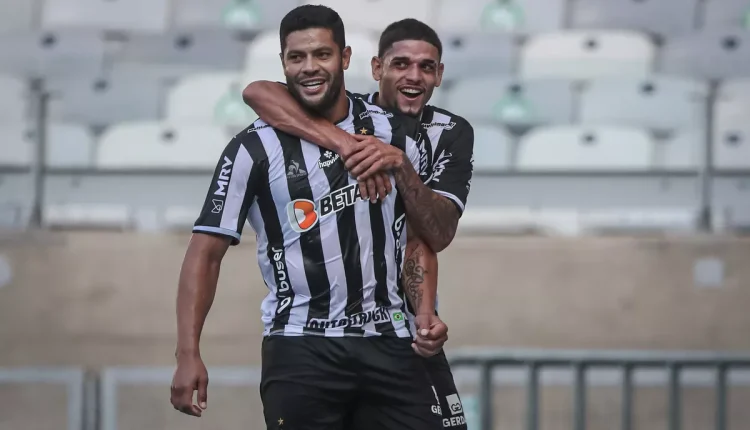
(419, 276)
(433, 217)
(197, 287)
(273, 103)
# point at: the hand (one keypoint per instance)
(191, 375)
(432, 333)
(376, 187)
(371, 155)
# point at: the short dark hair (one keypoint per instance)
(312, 16)
(408, 29)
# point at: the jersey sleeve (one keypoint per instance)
(453, 167)
(412, 151)
(231, 193)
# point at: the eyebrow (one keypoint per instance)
(407, 59)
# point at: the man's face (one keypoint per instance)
(408, 74)
(314, 67)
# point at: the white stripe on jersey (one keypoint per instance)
(434, 133)
(270, 302)
(293, 253)
(243, 164)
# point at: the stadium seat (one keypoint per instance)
(69, 145)
(663, 17)
(177, 54)
(157, 145)
(511, 102)
(13, 103)
(708, 55)
(724, 14)
(116, 15)
(374, 15)
(51, 54)
(579, 54)
(16, 145)
(523, 16)
(492, 148)
(681, 150)
(210, 99)
(103, 101)
(235, 14)
(17, 14)
(731, 127)
(658, 102)
(86, 216)
(467, 55)
(262, 61)
(579, 148)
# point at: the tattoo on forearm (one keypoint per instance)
(413, 277)
(434, 217)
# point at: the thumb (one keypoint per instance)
(203, 392)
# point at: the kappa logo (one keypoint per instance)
(369, 113)
(218, 206)
(330, 158)
(223, 180)
(445, 125)
(294, 171)
(304, 214)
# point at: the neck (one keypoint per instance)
(339, 110)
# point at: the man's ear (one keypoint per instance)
(441, 68)
(346, 57)
(377, 68)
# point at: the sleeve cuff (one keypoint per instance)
(459, 204)
(220, 231)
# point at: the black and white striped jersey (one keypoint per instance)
(446, 144)
(331, 261)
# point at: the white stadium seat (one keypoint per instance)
(492, 147)
(579, 54)
(375, 15)
(69, 145)
(210, 98)
(17, 14)
(16, 145)
(578, 148)
(682, 150)
(653, 16)
(467, 55)
(236, 14)
(656, 102)
(79, 215)
(155, 145)
(13, 103)
(523, 16)
(731, 140)
(54, 54)
(721, 14)
(118, 15)
(714, 54)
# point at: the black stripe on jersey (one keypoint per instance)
(426, 153)
(310, 243)
(272, 226)
(377, 227)
(338, 178)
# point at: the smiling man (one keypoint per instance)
(408, 68)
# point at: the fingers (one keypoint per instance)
(363, 190)
(372, 190)
(203, 392)
(357, 158)
(367, 167)
(422, 351)
(380, 181)
(182, 400)
(431, 346)
(388, 185)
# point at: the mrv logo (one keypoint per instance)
(304, 214)
(223, 180)
(379, 315)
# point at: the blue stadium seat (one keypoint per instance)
(663, 17)
(727, 14)
(514, 16)
(177, 54)
(581, 148)
(116, 15)
(467, 55)
(236, 14)
(513, 102)
(101, 101)
(658, 102)
(708, 55)
(582, 54)
(374, 15)
(51, 54)
(492, 148)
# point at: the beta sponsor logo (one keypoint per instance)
(444, 125)
(368, 113)
(283, 288)
(304, 214)
(358, 320)
(223, 180)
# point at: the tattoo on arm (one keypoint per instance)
(413, 277)
(434, 217)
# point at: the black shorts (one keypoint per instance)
(315, 383)
(442, 379)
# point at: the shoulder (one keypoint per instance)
(257, 139)
(367, 97)
(435, 117)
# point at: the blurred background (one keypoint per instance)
(600, 279)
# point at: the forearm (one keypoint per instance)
(273, 103)
(433, 217)
(420, 276)
(197, 289)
